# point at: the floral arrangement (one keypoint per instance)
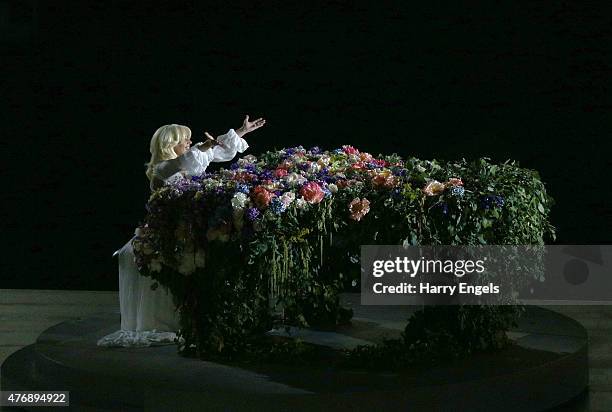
(274, 238)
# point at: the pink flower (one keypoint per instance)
(312, 192)
(359, 208)
(358, 166)
(261, 196)
(384, 179)
(350, 150)
(433, 188)
(280, 172)
(453, 181)
(379, 162)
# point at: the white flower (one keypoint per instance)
(301, 203)
(324, 160)
(332, 187)
(239, 201)
(288, 198)
(294, 179)
(420, 169)
(314, 167)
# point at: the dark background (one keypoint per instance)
(86, 86)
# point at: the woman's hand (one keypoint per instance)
(248, 126)
(208, 143)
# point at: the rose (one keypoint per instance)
(358, 208)
(454, 181)
(358, 166)
(280, 172)
(350, 150)
(433, 188)
(384, 179)
(261, 196)
(312, 192)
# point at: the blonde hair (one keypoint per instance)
(162, 145)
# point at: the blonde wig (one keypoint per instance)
(162, 144)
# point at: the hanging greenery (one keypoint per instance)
(275, 240)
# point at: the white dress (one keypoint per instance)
(149, 316)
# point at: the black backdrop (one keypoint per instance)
(87, 85)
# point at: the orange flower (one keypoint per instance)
(359, 208)
(384, 179)
(261, 196)
(365, 157)
(433, 188)
(454, 181)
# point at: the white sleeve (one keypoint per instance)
(231, 144)
(195, 161)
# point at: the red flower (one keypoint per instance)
(261, 196)
(350, 150)
(280, 172)
(358, 166)
(312, 192)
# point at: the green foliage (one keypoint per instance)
(234, 279)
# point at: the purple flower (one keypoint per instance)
(252, 214)
(266, 174)
(234, 166)
(315, 150)
(250, 168)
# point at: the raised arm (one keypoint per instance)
(225, 147)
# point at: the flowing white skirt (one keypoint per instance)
(147, 316)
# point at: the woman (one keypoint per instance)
(149, 316)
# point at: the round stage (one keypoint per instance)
(547, 367)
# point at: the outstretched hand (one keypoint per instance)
(248, 126)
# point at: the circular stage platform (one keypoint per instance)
(547, 367)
